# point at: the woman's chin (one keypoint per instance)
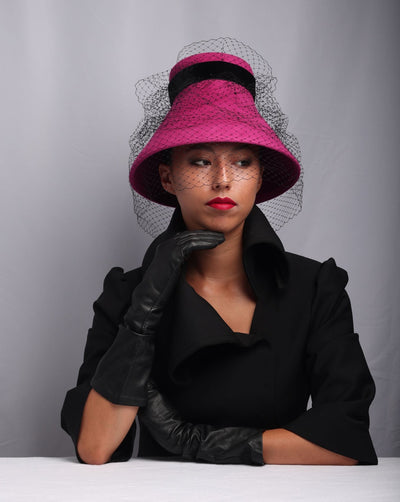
(226, 222)
(225, 227)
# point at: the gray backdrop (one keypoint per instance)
(68, 106)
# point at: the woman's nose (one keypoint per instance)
(222, 175)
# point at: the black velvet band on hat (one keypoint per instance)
(210, 70)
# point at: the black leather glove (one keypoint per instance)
(122, 373)
(227, 445)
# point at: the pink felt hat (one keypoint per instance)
(213, 96)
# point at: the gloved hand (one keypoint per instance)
(122, 373)
(227, 445)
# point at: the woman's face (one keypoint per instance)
(215, 184)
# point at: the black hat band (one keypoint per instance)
(211, 70)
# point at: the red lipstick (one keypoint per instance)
(223, 204)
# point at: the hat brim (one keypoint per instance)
(234, 118)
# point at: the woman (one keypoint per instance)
(220, 338)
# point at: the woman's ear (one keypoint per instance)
(166, 178)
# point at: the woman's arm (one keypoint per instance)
(104, 426)
(198, 442)
(99, 412)
(341, 384)
(109, 310)
(229, 445)
(284, 447)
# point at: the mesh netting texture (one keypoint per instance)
(214, 111)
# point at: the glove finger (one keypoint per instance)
(198, 240)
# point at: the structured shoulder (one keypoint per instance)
(117, 279)
(303, 271)
(324, 283)
(117, 290)
(325, 272)
(298, 262)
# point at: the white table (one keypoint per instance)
(64, 479)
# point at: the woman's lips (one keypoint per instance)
(222, 204)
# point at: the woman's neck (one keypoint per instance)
(220, 265)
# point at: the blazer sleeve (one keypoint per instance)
(109, 309)
(342, 387)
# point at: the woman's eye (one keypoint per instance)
(244, 162)
(200, 162)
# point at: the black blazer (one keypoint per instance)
(301, 344)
